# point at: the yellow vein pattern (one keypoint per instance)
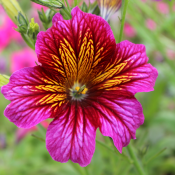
(85, 57)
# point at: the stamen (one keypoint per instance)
(78, 92)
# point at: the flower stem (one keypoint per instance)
(66, 11)
(41, 129)
(123, 155)
(123, 19)
(75, 2)
(156, 155)
(68, 6)
(79, 169)
(28, 42)
(136, 162)
(39, 138)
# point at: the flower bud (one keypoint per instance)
(33, 29)
(46, 17)
(94, 9)
(42, 16)
(12, 8)
(22, 23)
(49, 3)
(109, 7)
(84, 7)
(143, 151)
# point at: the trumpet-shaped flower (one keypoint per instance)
(109, 7)
(86, 81)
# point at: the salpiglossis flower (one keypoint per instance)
(86, 81)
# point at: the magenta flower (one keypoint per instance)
(86, 81)
(23, 58)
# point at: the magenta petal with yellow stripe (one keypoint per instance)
(35, 95)
(86, 81)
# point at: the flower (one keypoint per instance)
(12, 8)
(21, 132)
(108, 7)
(23, 58)
(150, 24)
(7, 33)
(162, 7)
(85, 81)
(3, 65)
(170, 54)
(129, 31)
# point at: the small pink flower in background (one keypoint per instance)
(7, 32)
(150, 24)
(23, 58)
(38, 6)
(21, 132)
(3, 65)
(162, 7)
(171, 54)
(174, 7)
(87, 1)
(158, 56)
(3, 143)
(129, 31)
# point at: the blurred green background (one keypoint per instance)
(151, 23)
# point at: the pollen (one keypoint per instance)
(84, 91)
(78, 92)
(77, 88)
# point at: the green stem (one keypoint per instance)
(41, 129)
(80, 170)
(136, 162)
(123, 155)
(45, 18)
(156, 155)
(75, 2)
(28, 42)
(68, 6)
(123, 20)
(66, 12)
(39, 138)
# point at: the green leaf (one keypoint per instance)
(4, 79)
(49, 3)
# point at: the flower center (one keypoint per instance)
(78, 92)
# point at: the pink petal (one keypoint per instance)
(38, 6)
(34, 96)
(150, 24)
(23, 58)
(129, 31)
(128, 70)
(75, 47)
(119, 115)
(72, 135)
(21, 132)
(162, 7)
